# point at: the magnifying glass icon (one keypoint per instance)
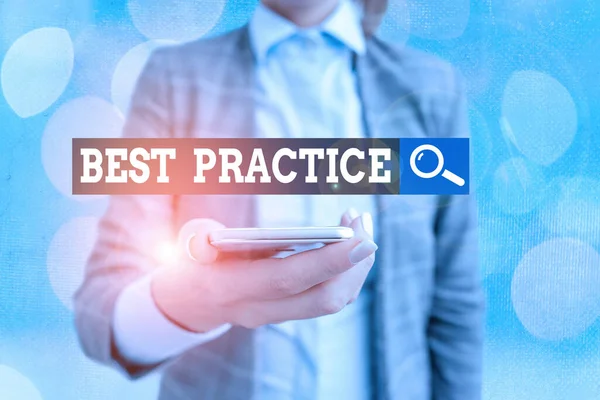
(416, 156)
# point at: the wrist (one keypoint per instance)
(183, 303)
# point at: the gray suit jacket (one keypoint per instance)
(427, 325)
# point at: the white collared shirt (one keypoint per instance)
(308, 89)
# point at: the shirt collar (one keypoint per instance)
(268, 28)
(345, 25)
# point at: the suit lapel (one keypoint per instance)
(230, 111)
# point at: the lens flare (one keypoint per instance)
(167, 253)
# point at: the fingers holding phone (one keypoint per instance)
(211, 291)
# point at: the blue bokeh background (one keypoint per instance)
(532, 69)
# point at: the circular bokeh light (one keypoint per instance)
(575, 211)
(84, 117)
(178, 20)
(15, 386)
(36, 70)
(555, 289)
(128, 71)
(67, 255)
(538, 116)
(519, 187)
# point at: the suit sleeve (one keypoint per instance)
(131, 231)
(456, 325)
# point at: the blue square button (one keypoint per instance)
(434, 166)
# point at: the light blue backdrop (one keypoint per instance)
(533, 75)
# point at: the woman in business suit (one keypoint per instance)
(265, 329)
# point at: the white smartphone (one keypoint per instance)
(277, 239)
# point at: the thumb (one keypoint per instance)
(350, 215)
(193, 238)
(363, 226)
